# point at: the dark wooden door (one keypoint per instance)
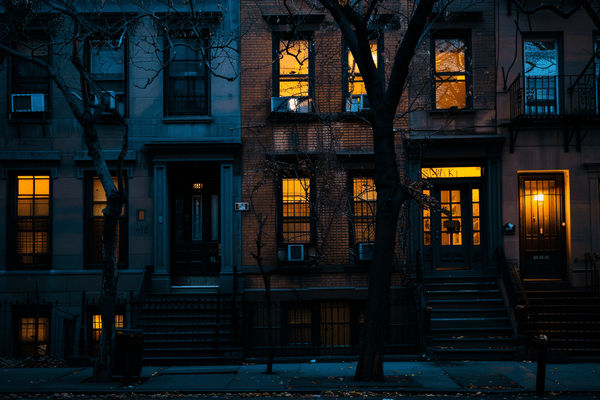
(195, 235)
(542, 226)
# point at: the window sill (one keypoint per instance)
(292, 116)
(200, 119)
(15, 120)
(451, 111)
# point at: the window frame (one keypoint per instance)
(93, 227)
(283, 220)
(41, 314)
(369, 217)
(378, 38)
(544, 104)
(169, 111)
(279, 37)
(14, 221)
(437, 77)
(15, 82)
(122, 96)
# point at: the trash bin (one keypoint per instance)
(128, 353)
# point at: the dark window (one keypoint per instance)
(293, 73)
(186, 76)
(296, 210)
(108, 67)
(30, 82)
(30, 223)
(95, 222)
(451, 68)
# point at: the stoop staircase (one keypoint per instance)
(182, 328)
(569, 318)
(470, 319)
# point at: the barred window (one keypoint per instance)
(31, 222)
(296, 210)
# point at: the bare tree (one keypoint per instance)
(32, 30)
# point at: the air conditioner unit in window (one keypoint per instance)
(364, 104)
(295, 252)
(365, 251)
(112, 99)
(290, 104)
(28, 102)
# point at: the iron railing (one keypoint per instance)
(326, 328)
(546, 96)
(36, 329)
(592, 272)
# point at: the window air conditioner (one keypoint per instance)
(290, 104)
(280, 104)
(295, 252)
(364, 105)
(28, 103)
(365, 251)
(112, 99)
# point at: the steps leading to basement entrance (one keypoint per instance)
(470, 319)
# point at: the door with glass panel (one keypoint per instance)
(542, 226)
(195, 235)
(453, 240)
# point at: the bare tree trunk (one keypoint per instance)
(103, 366)
(390, 196)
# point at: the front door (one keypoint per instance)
(195, 236)
(452, 240)
(542, 226)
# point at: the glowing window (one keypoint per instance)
(450, 70)
(296, 210)
(364, 209)
(356, 84)
(294, 68)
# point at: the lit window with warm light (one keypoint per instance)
(356, 85)
(294, 68)
(31, 222)
(364, 209)
(451, 73)
(296, 224)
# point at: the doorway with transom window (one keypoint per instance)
(452, 241)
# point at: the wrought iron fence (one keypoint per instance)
(325, 328)
(592, 272)
(554, 95)
(34, 329)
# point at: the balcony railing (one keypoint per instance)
(552, 96)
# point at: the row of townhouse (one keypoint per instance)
(269, 177)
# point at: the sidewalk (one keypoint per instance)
(405, 376)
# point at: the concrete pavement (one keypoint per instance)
(314, 377)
